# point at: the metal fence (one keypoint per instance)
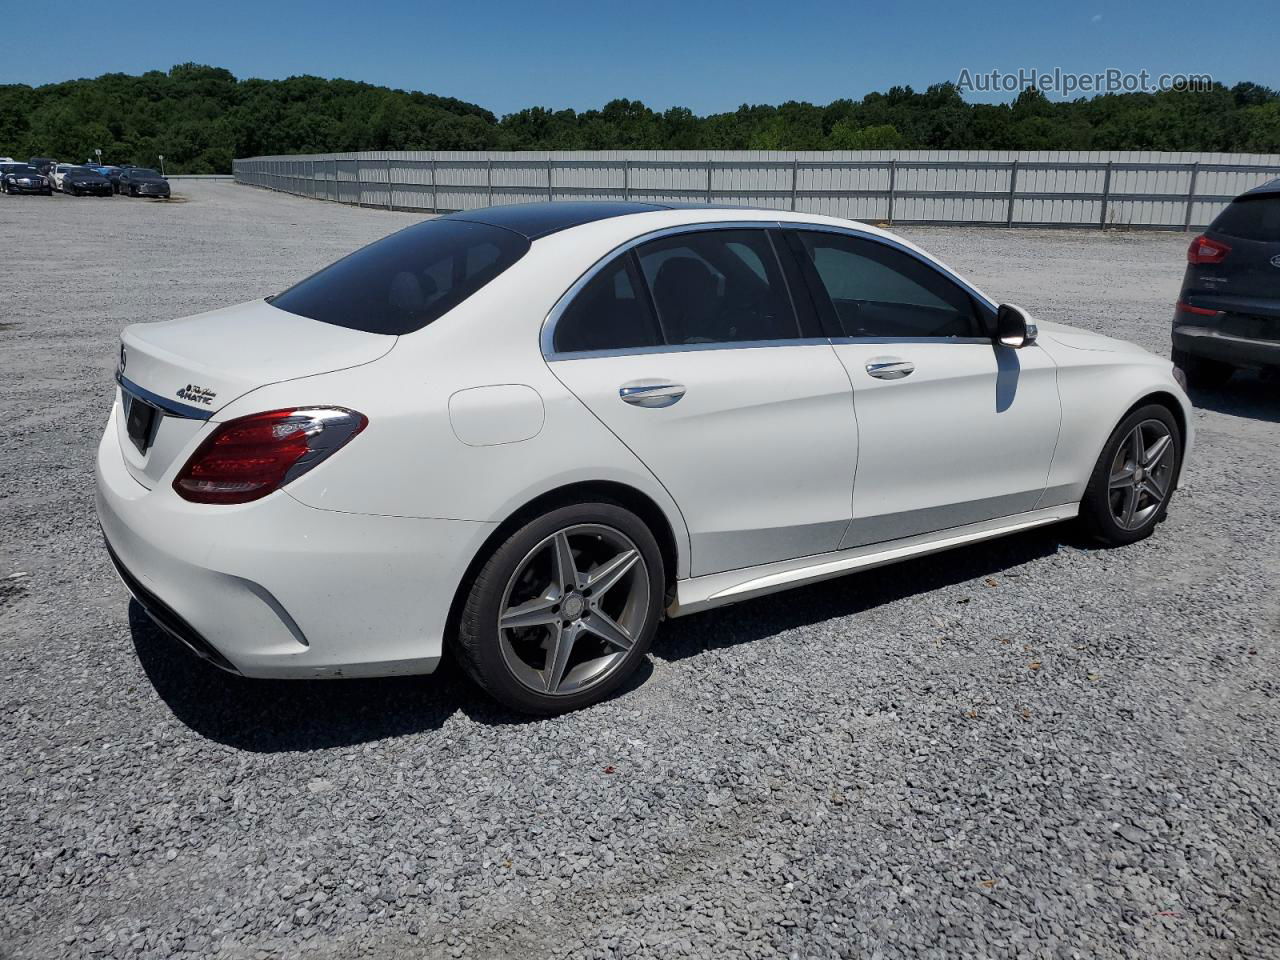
(1169, 191)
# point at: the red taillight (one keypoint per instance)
(1201, 311)
(248, 458)
(1204, 250)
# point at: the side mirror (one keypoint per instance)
(1014, 327)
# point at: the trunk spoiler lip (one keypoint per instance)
(170, 408)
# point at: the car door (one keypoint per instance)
(953, 428)
(688, 347)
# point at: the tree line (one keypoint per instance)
(200, 117)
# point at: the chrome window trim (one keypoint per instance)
(985, 341)
(547, 334)
(691, 347)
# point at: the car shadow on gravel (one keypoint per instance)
(856, 593)
(1249, 396)
(270, 716)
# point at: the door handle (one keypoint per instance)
(652, 394)
(890, 368)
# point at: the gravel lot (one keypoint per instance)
(1029, 748)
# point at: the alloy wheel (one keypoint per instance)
(1141, 474)
(573, 609)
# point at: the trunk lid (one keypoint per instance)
(176, 375)
(1247, 280)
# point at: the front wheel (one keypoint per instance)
(1134, 478)
(564, 610)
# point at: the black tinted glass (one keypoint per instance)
(610, 313)
(1251, 218)
(722, 286)
(405, 281)
(877, 291)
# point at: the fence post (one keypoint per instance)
(1013, 188)
(488, 176)
(389, 205)
(708, 181)
(626, 179)
(1106, 196)
(893, 179)
(1191, 196)
(550, 195)
(337, 193)
(795, 179)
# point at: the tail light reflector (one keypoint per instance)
(1199, 311)
(248, 458)
(1204, 250)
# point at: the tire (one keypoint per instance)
(133, 191)
(1105, 511)
(1202, 373)
(520, 579)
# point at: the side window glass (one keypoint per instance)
(877, 291)
(721, 286)
(610, 313)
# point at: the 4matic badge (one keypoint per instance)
(196, 395)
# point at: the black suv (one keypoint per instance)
(1228, 315)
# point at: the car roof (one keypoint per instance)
(1272, 186)
(536, 220)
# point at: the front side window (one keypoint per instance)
(407, 280)
(718, 286)
(611, 312)
(878, 291)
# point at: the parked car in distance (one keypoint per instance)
(22, 178)
(143, 182)
(81, 181)
(43, 165)
(626, 411)
(59, 172)
(112, 173)
(1228, 314)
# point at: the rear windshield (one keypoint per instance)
(407, 280)
(1251, 218)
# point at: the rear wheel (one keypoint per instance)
(564, 610)
(1202, 373)
(1130, 488)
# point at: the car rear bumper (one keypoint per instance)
(279, 589)
(1226, 348)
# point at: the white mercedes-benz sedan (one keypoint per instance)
(525, 434)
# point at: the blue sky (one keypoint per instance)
(708, 55)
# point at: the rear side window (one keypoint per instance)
(611, 312)
(721, 286)
(1251, 218)
(407, 280)
(877, 291)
